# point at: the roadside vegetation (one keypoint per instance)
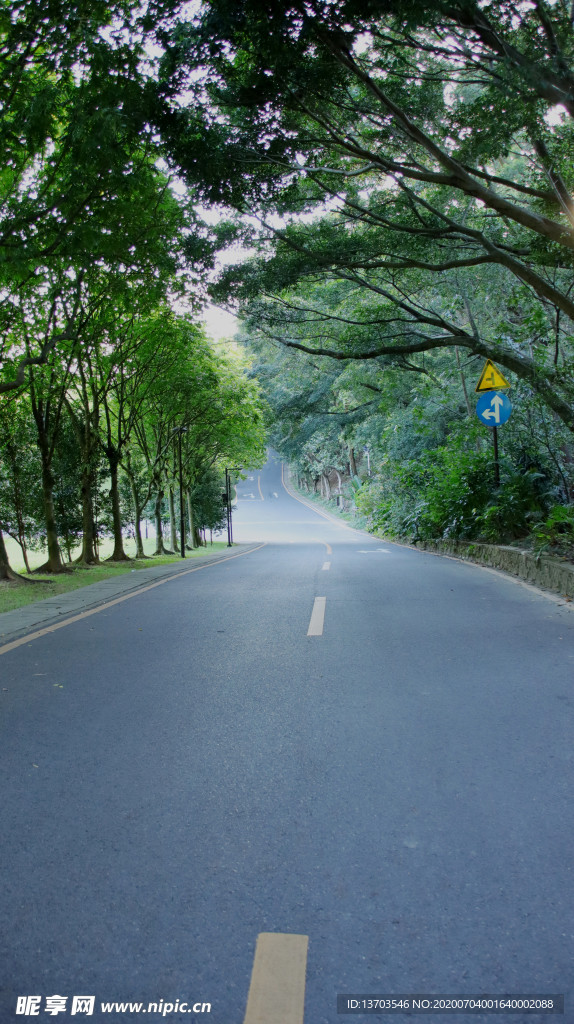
(110, 391)
(414, 461)
(13, 596)
(396, 183)
(416, 218)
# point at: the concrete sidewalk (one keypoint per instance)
(43, 613)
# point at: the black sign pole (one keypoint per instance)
(228, 493)
(181, 518)
(496, 465)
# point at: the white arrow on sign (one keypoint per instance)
(497, 401)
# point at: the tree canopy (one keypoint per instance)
(406, 149)
(398, 179)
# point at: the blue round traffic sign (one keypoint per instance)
(493, 408)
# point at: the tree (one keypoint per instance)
(20, 496)
(209, 398)
(116, 289)
(418, 138)
(73, 121)
(145, 350)
(67, 473)
(209, 510)
(431, 462)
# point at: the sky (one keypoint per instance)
(219, 323)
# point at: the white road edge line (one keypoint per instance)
(277, 989)
(317, 617)
(326, 565)
(502, 574)
(325, 515)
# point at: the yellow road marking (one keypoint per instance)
(317, 617)
(326, 565)
(109, 604)
(328, 546)
(259, 486)
(277, 989)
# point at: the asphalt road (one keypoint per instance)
(188, 769)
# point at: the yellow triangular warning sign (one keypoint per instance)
(491, 378)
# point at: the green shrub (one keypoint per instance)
(450, 492)
(557, 529)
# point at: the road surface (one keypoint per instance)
(189, 768)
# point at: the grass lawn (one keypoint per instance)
(16, 595)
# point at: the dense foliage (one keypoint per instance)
(99, 375)
(400, 178)
(404, 176)
(430, 466)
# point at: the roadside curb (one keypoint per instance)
(544, 572)
(286, 480)
(53, 610)
(547, 576)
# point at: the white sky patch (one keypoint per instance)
(555, 115)
(219, 324)
(362, 43)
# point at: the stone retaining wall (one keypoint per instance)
(545, 571)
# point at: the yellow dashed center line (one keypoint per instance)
(277, 989)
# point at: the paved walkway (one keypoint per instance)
(52, 609)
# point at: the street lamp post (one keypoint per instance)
(181, 518)
(228, 470)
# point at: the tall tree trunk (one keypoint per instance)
(87, 445)
(190, 534)
(327, 486)
(160, 548)
(20, 518)
(172, 526)
(24, 550)
(352, 463)
(6, 572)
(140, 553)
(54, 563)
(89, 554)
(118, 554)
(463, 382)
